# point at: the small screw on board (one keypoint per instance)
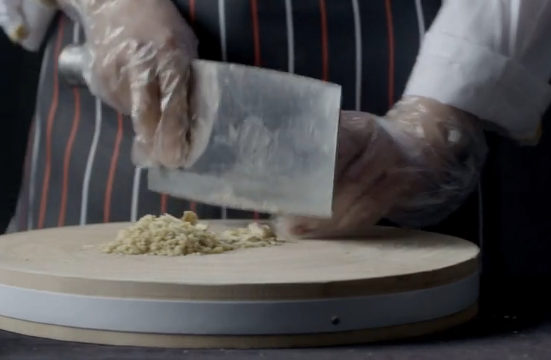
(335, 320)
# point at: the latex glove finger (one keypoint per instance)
(358, 132)
(173, 137)
(105, 78)
(354, 209)
(361, 138)
(353, 132)
(373, 204)
(343, 223)
(146, 115)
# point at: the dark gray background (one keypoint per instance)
(506, 338)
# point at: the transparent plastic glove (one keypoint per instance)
(138, 58)
(414, 166)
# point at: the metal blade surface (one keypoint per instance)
(273, 142)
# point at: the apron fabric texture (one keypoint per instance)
(78, 169)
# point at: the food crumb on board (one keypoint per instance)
(167, 235)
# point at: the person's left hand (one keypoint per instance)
(138, 57)
(414, 166)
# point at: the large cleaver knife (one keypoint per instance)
(273, 142)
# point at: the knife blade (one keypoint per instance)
(272, 145)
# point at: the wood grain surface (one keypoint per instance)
(68, 260)
(237, 342)
(389, 260)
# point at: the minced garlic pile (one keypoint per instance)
(167, 235)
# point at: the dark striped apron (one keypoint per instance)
(78, 168)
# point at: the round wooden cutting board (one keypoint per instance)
(394, 283)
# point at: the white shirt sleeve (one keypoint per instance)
(491, 58)
(39, 15)
(27, 21)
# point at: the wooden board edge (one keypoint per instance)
(99, 337)
(240, 292)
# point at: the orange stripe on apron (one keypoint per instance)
(67, 159)
(192, 11)
(113, 169)
(164, 201)
(49, 128)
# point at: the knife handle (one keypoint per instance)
(70, 64)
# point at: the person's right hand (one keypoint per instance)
(138, 56)
(414, 166)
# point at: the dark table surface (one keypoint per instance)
(500, 338)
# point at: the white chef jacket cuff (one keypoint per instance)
(480, 81)
(39, 15)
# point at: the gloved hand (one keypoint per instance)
(138, 58)
(413, 166)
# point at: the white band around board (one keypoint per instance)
(237, 317)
